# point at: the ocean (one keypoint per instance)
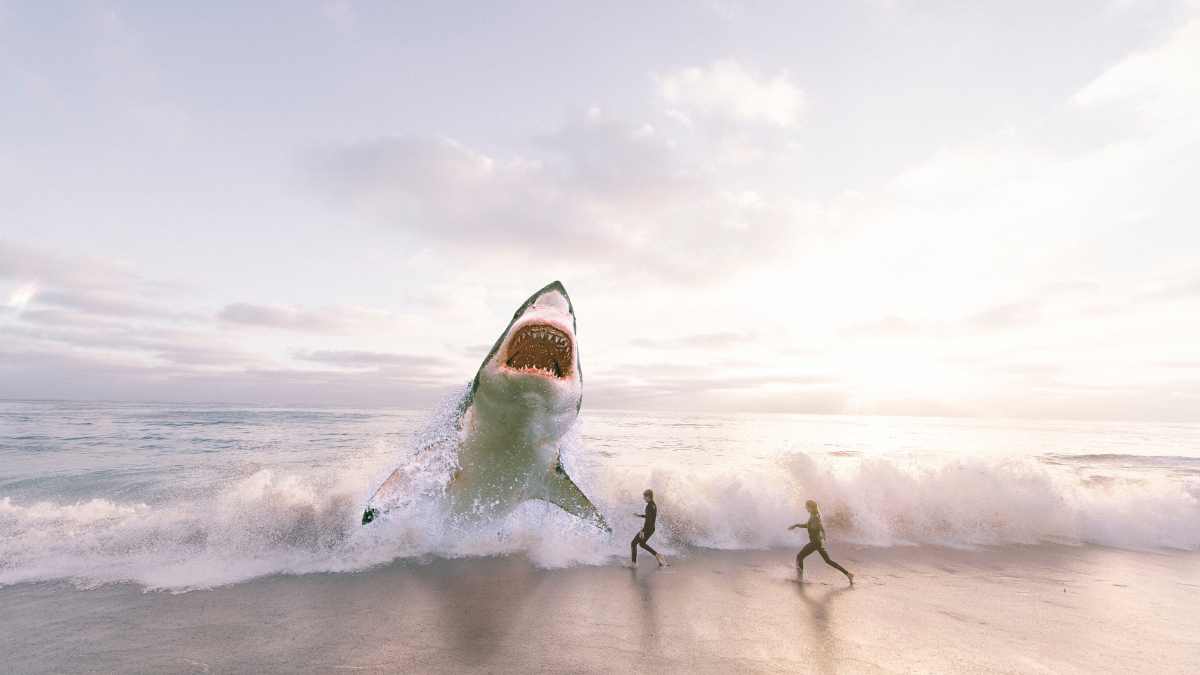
(182, 497)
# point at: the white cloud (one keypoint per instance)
(705, 341)
(23, 263)
(353, 358)
(1160, 83)
(971, 169)
(610, 194)
(41, 374)
(728, 90)
(325, 320)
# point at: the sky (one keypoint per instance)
(867, 207)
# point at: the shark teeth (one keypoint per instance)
(537, 370)
(541, 349)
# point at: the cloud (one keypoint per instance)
(1033, 370)
(727, 90)
(21, 296)
(84, 317)
(60, 318)
(476, 351)
(724, 340)
(612, 159)
(1159, 83)
(103, 304)
(1059, 300)
(611, 195)
(967, 170)
(119, 339)
(50, 330)
(368, 359)
(446, 192)
(40, 374)
(1005, 316)
(1178, 290)
(888, 326)
(56, 289)
(706, 382)
(1182, 365)
(328, 320)
(184, 354)
(29, 265)
(630, 387)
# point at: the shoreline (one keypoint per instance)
(1011, 609)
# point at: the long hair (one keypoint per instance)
(649, 493)
(811, 505)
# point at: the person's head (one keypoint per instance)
(648, 495)
(811, 506)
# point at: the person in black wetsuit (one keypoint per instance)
(816, 542)
(647, 530)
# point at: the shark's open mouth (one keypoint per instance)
(541, 348)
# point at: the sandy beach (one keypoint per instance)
(1045, 609)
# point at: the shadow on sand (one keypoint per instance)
(820, 601)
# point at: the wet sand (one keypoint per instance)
(1045, 609)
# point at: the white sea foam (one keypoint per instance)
(271, 522)
(885, 502)
(284, 520)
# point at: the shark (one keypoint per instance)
(524, 398)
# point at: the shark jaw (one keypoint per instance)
(535, 363)
(540, 349)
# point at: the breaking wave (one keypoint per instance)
(276, 521)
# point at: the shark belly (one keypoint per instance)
(508, 454)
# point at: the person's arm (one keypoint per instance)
(800, 524)
(640, 515)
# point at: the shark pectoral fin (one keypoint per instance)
(393, 483)
(561, 491)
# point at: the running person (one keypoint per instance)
(816, 542)
(647, 530)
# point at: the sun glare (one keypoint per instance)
(881, 377)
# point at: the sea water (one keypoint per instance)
(185, 496)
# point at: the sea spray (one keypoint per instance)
(263, 511)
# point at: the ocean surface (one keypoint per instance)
(184, 496)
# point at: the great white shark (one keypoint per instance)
(524, 398)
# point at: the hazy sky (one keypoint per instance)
(879, 206)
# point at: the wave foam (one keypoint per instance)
(271, 521)
(883, 502)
